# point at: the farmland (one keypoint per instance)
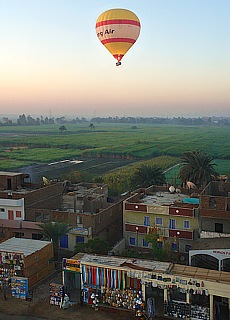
(121, 144)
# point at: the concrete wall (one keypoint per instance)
(208, 224)
(15, 206)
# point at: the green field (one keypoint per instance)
(22, 146)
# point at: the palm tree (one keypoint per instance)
(147, 175)
(197, 167)
(53, 231)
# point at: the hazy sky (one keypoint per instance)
(51, 61)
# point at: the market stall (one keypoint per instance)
(118, 282)
(157, 287)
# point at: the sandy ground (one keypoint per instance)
(40, 308)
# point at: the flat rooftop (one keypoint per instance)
(129, 263)
(201, 273)
(12, 174)
(20, 245)
(162, 198)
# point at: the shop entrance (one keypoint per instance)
(73, 285)
(158, 295)
(221, 308)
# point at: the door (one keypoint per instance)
(10, 214)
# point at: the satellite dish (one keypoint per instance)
(171, 189)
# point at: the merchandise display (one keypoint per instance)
(183, 310)
(19, 287)
(5, 276)
(199, 312)
(12, 261)
(128, 299)
(177, 309)
(57, 292)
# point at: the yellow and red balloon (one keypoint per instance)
(118, 30)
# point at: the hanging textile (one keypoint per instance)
(128, 282)
(108, 278)
(131, 283)
(102, 276)
(97, 276)
(123, 280)
(119, 279)
(90, 276)
(115, 278)
(83, 272)
(139, 284)
(105, 277)
(94, 276)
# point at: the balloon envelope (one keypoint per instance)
(118, 30)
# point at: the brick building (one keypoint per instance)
(86, 207)
(17, 197)
(215, 209)
(32, 259)
(89, 210)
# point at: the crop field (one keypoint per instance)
(31, 145)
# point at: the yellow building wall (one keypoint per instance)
(134, 217)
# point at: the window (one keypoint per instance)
(159, 221)
(187, 248)
(160, 244)
(174, 246)
(79, 220)
(212, 202)
(46, 216)
(38, 216)
(18, 234)
(187, 224)
(80, 239)
(36, 236)
(132, 241)
(146, 221)
(145, 243)
(172, 224)
(18, 214)
(219, 227)
(2, 210)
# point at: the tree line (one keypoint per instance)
(28, 120)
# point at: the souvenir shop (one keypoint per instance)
(11, 272)
(176, 291)
(117, 282)
(24, 262)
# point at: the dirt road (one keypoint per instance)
(40, 307)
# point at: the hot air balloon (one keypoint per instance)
(118, 30)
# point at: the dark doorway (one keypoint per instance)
(219, 227)
(158, 295)
(221, 308)
(9, 184)
(226, 265)
(205, 261)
